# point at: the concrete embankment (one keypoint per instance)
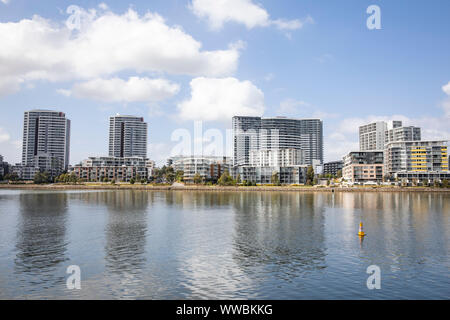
(60, 187)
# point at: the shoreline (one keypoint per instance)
(63, 187)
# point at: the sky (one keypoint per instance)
(177, 62)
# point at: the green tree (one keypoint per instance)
(132, 181)
(170, 175)
(310, 175)
(445, 184)
(11, 177)
(113, 181)
(198, 178)
(238, 179)
(339, 174)
(41, 178)
(226, 179)
(179, 176)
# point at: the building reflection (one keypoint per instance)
(400, 231)
(41, 237)
(281, 233)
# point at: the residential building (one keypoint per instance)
(426, 160)
(208, 167)
(255, 133)
(3, 167)
(263, 175)
(332, 167)
(402, 134)
(118, 168)
(372, 135)
(245, 138)
(46, 142)
(276, 157)
(127, 137)
(363, 166)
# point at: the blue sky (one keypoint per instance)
(195, 61)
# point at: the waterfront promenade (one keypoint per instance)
(106, 186)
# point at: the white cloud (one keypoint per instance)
(39, 49)
(446, 103)
(301, 109)
(5, 1)
(9, 148)
(117, 90)
(221, 99)
(4, 136)
(103, 6)
(246, 12)
(446, 88)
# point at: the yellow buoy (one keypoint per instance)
(361, 232)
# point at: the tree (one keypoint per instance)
(170, 175)
(113, 181)
(339, 174)
(310, 175)
(198, 178)
(445, 184)
(238, 179)
(132, 181)
(179, 176)
(11, 177)
(275, 179)
(226, 179)
(41, 178)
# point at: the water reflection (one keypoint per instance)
(279, 233)
(41, 242)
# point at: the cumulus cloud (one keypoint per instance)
(446, 88)
(221, 99)
(9, 148)
(107, 43)
(246, 12)
(118, 90)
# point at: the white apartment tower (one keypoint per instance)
(127, 136)
(46, 138)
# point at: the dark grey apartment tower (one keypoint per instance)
(127, 136)
(46, 140)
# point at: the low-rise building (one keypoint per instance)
(263, 175)
(276, 157)
(210, 168)
(113, 168)
(363, 166)
(423, 160)
(333, 167)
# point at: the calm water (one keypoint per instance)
(158, 245)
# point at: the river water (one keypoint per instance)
(207, 245)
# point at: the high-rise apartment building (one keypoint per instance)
(374, 136)
(402, 134)
(127, 136)
(371, 136)
(255, 133)
(245, 138)
(46, 141)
